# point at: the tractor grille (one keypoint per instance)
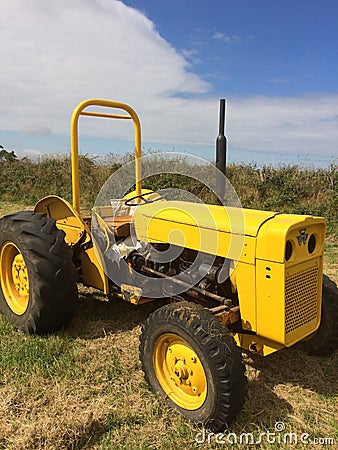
(301, 303)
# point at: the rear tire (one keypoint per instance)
(38, 288)
(188, 357)
(325, 341)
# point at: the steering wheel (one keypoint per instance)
(142, 197)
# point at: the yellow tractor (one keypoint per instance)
(225, 279)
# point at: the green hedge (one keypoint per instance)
(290, 188)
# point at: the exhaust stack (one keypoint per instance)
(221, 149)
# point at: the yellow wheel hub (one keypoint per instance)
(180, 372)
(14, 278)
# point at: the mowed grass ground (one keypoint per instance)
(83, 388)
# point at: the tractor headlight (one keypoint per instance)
(288, 250)
(311, 245)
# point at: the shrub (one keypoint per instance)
(288, 188)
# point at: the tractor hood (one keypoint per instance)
(225, 231)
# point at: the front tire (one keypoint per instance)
(38, 289)
(188, 357)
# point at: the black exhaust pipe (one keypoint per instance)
(221, 150)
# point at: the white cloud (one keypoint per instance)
(227, 38)
(55, 54)
(29, 153)
(305, 124)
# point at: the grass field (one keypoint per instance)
(83, 388)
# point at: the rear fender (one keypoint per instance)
(77, 231)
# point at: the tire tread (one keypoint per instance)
(222, 352)
(52, 275)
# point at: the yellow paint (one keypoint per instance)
(69, 220)
(245, 283)
(131, 294)
(217, 230)
(257, 344)
(224, 219)
(274, 234)
(14, 280)
(288, 292)
(74, 127)
(93, 270)
(288, 300)
(180, 372)
(279, 297)
(279, 300)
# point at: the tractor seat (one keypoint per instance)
(119, 224)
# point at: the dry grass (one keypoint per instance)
(83, 388)
(7, 208)
(331, 258)
(88, 392)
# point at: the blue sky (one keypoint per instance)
(250, 47)
(275, 62)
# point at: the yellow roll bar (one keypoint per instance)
(74, 137)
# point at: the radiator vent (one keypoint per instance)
(301, 303)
